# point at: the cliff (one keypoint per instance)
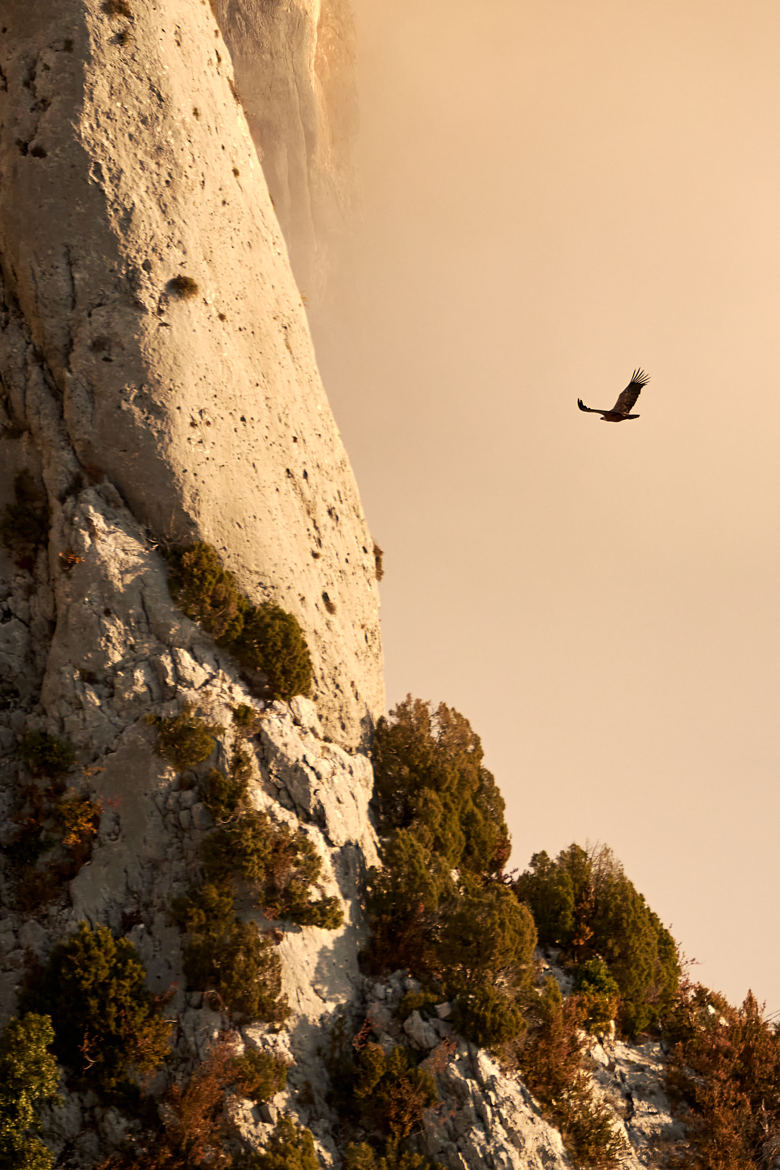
(154, 337)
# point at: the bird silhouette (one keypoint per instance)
(626, 399)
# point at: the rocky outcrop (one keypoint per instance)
(153, 335)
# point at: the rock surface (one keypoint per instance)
(127, 166)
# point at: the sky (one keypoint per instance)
(552, 195)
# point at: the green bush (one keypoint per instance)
(229, 958)
(598, 994)
(46, 755)
(384, 1093)
(361, 1156)
(487, 936)
(186, 739)
(245, 719)
(28, 1078)
(488, 1016)
(583, 903)
(263, 638)
(406, 899)
(279, 865)
(272, 642)
(290, 1147)
(206, 592)
(108, 1026)
(221, 794)
(445, 843)
(259, 1075)
(428, 772)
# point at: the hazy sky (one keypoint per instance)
(554, 194)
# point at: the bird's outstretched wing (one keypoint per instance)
(590, 409)
(628, 397)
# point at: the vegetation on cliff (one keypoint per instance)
(263, 638)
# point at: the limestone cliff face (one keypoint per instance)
(127, 163)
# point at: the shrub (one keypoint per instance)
(488, 1016)
(205, 591)
(46, 755)
(79, 818)
(384, 1093)
(428, 771)
(290, 1147)
(221, 794)
(263, 638)
(361, 1156)
(553, 1067)
(230, 958)
(724, 1077)
(245, 719)
(52, 840)
(379, 566)
(186, 739)
(272, 643)
(406, 899)
(597, 993)
(184, 287)
(108, 1025)
(584, 903)
(445, 841)
(28, 1078)
(279, 865)
(259, 1075)
(488, 935)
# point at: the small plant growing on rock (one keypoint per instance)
(108, 1026)
(245, 719)
(28, 1078)
(290, 1147)
(280, 865)
(186, 739)
(553, 1068)
(118, 8)
(259, 1075)
(79, 818)
(598, 994)
(183, 287)
(264, 638)
(379, 562)
(361, 1156)
(205, 591)
(380, 1096)
(272, 643)
(229, 958)
(46, 755)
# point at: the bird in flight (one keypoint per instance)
(627, 398)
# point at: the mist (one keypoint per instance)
(553, 195)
